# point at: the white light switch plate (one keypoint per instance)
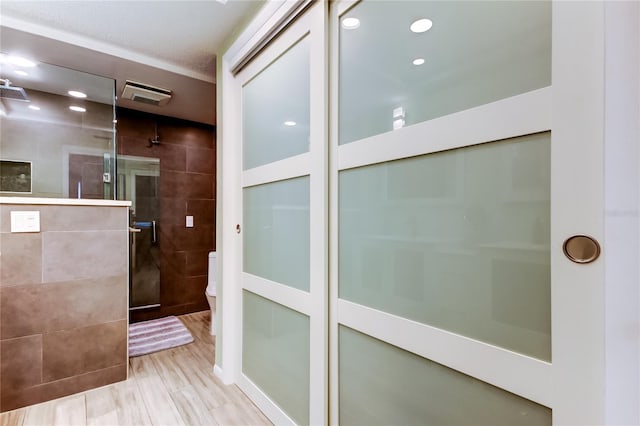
(25, 221)
(189, 222)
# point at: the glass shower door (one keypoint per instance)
(138, 182)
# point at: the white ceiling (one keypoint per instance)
(169, 44)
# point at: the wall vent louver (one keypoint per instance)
(146, 94)
(12, 92)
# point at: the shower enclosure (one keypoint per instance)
(138, 182)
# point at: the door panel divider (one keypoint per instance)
(507, 118)
(287, 296)
(514, 372)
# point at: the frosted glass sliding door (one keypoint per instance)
(403, 186)
(441, 194)
(284, 225)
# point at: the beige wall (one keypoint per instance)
(63, 303)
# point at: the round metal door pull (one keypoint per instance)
(581, 249)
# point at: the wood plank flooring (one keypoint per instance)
(174, 387)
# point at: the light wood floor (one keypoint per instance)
(172, 387)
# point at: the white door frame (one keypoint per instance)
(622, 212)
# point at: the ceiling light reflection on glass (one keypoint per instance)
(418, 61)
(398, 118)
(77, 108)
(398, 124)
(290, 123)
(20, 61)
(421, 25)
(350, 23)
(77, 94)
(35, 108)
(22, 73)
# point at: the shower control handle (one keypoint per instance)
(154, 235)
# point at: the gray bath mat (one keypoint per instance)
(156, 335)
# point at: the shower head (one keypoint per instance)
(156, 138)
(10, 92)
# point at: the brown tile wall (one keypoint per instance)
(63, 303)
(187, 187)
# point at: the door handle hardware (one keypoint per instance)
(581, 249)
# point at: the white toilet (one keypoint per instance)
(211, 287)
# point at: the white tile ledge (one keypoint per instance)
(64, 202)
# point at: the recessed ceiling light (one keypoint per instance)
(22, 73)
(77, 108)
(20, 61)
(35, 108)
(77, 94)
(421, 25)
(418, 61)
(290, 123)
(350, 23)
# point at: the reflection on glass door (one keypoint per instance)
(89, 175)
(138, 182)
(53, 145)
